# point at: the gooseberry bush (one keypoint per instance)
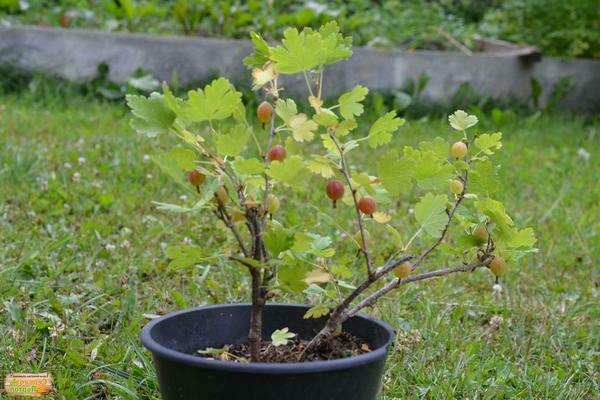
(243, 164)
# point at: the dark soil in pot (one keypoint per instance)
(341, 346)
(174, 338)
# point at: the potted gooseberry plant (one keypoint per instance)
(240, 164)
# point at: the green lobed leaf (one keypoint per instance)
(219, 100)
(280, 337)
(350, 102)
(314, 244)
(233, 142)
(395, 173)
(318, 311)
(260, 54)
(320, 246)
(302, 128)
(396, 236)
(489, 142)
(291, 172)
(344, 127)
(185, 256)
(483, 178)
(495, 211)
(363, 181)
(321, 165)
(185, 158)
(291, 277)
(277, 238)
(382, 129)
(430, 172)
(437, 146)
(329, 144)
(524, 238)
(325, 118)
(250, 166)
(336, 46)
(285, 109)
(174, 103)
(169, 165)
(151, 114)
(430, 212)
(309, 49)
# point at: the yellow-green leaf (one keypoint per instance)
(350, 102)
(487, 143)
(310, 49)
(318, 311)
(152, 116)
(302, 128)
(395, 173)
(461, 121)
(382, 129)
(251, 166)
(430, 212)
(321, 165)
(233, 142)
(218, 100)
(290, 171)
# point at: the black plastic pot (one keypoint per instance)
(174, 338)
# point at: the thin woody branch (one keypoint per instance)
(451, 214)
(224, 216)
(266, 161)
(373, 297)
(379, 273)
(242, 261)
(363, 238)
(340, 315)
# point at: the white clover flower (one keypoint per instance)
(146, 158)
(76, 177)
(497, 291)
(67, 165)
(583, 154)
(126, 244)
(81, 160)
(110, 247)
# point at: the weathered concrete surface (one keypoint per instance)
(75, 54)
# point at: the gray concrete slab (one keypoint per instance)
(75, 54)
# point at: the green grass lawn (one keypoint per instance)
(82, 264)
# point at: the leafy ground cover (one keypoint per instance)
(560, 28)
(83, 267)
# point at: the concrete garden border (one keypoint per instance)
(75, 54)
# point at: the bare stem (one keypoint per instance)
(258, 302)
(259, 289)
